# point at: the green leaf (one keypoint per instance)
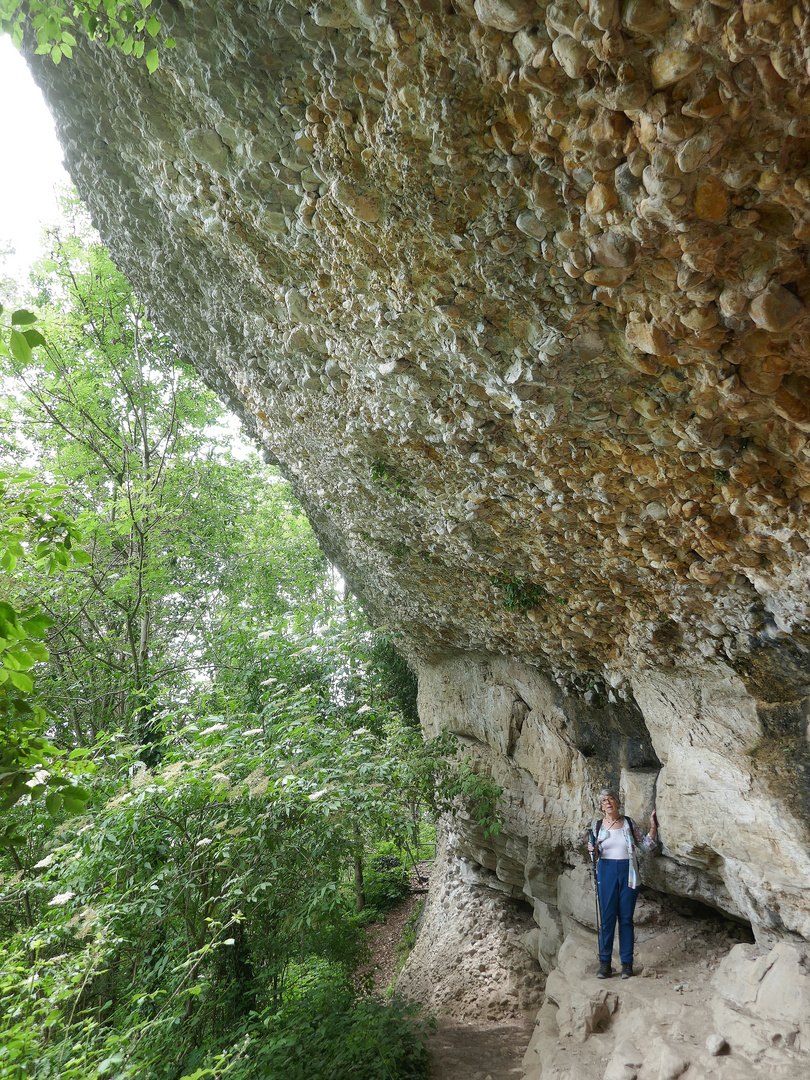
(56, 54)
(23, 317)
(61, 556)
(34, 338)
(20, 348)
(53, 802)
(152, 61)
(80, 794)
(21, 681)
(153, 27)
(109, 1063)
(37, 624)
(138, 48)
(81, 558)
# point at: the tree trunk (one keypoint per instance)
(359, 887)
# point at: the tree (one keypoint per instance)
(120, 25)
(110, 410)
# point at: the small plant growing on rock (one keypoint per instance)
(519, 594)
(388, 477)
(479, 795)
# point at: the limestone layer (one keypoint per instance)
(697, 746)
(515, 293)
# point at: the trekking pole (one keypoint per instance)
(596, 891)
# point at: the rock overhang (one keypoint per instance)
(515, 293)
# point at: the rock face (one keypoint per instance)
(517, 296)
(475, 957)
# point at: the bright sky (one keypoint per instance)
(32, 158)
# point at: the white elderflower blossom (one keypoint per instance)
(213, 728)
(61, 898)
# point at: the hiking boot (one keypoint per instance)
(627, 971)
(605, 970)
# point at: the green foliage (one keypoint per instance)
(114, 415)
(330, 1034)
(192, 890)
(386, 883)
(479, 794)
(520, 594)
(34, 532)
(118, 24)
(390, 673)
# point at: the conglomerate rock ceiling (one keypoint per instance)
(515, 292)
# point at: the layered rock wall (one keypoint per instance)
(689, 749)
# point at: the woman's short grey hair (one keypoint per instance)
(607, 793)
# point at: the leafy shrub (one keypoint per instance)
(330, 1033)
(386, 882)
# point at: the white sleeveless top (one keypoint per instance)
(615, 846)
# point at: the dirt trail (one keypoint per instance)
(478, 1050)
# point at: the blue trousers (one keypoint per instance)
(617, 901)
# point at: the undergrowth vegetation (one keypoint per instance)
(212, 770)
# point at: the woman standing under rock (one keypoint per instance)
(616, 840)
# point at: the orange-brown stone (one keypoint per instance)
(711, 199)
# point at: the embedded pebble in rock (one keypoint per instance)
(711, 200)
(507, 15)
(600, 199)
(716, 1045)
(645, 17)
(672, 65)
(776, 309)
(516, 297)
(604, 13)
(529, 223)
(572, 56)
(361, 206)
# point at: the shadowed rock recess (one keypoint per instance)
(517, 297)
